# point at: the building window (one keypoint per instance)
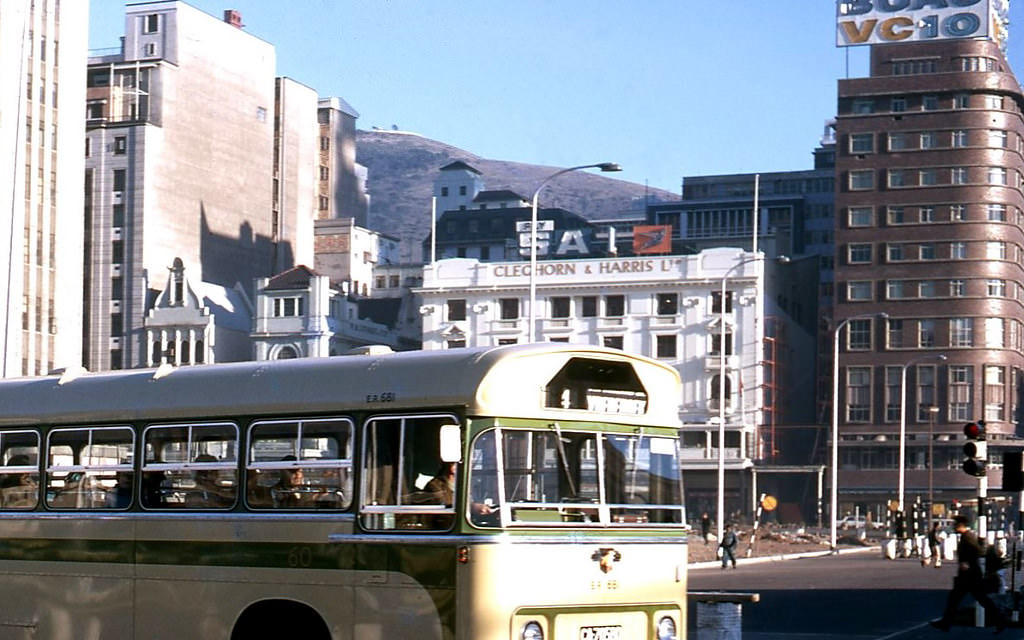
(859, 253)
(665, 346)
(863, 106)
(898, 141)
(612, 342)
(957, 212)
(323, 202)
(961, 382)
(926, 333)
(996, 212)
(957, 288)
(994, 330)
(894, 334)
(860, 216)
(151, 23)
(509, 308)
(927, 177)
(325, 143)
(893, 389)
(894, 289)
(560, 307)
(287, 307)
(862, 143)
(895, 215)
(894, 252)
(997, 175)
(925, 391)
(716, 302)
(716, 343)
(996, 288)
(898, 178)
(928, 140)
(456, 310)
(588, 306)
(961, 332)
(998, 138)
(927, 251)
(668, 304)
(462, 190)
(455, 343)
(858, 394)
(614, 306)
(993, 102)
(858, 291)
(120, 145)
(926, 214)
(444, 192)
(995, 250)
(962, 101)
(959, 139)
(862, 179)
(995, 392)
(858, 334)
(926, 289)
(899, 104)
(930, 103)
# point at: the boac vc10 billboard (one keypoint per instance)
(887, 21)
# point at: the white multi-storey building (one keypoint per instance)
(667, 307)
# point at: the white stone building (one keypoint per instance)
(666, 307)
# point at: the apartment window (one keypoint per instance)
(716, 302)
(588, 306)
(927, 177)
(894, 252)
(612, 342)
(444, 192)
(898, 178)
(926, 289)
(997, 175)
(925, 391)
(858, 394)
(898, 104)
(993, 102)
(862, 143)
(560, 307)
(462, 190)
(957, 212)
(716, 343)
(928, 140)
(962, 101)
(456, 310)
(996, 212)
(958, 175)
(961, 382)
(863, 106)
(287, 307)
(926, 214)
(894, 289)
(614, 306)
(995, 250)
(895, 215)
(509, 308)
(858, 291)
(959, 138)
(862, 179)
(325, 173)
(668, 304)
(151, 23)
(665, 346)
(998, 138)
(120, 179)
(994, 333)
(927, 251)
(996, 288)
(120, 145)
(925, 333)
(393, 282)
(455, 343)
(995, 392)
(894, 334)
(323, 202)
(961, 332)
(325, 143)
(859, 253)
(893, 397)
(957, 288)
(930, 103)
(858, 336)
(860, 216)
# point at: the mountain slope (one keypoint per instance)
(402, 168)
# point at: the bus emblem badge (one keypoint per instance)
(606, 557)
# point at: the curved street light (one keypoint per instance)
(834, 502)
(603, 166)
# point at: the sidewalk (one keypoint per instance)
(786, 556)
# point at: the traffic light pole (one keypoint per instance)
(979, 611)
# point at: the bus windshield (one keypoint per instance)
(560, 477)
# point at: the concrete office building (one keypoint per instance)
(195, 152)
(930, 231)
(43, 48)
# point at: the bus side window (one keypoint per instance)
(19, 475)
(190, 466)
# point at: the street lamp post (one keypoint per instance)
(603, 166)
(932, 412)
(834, 502)
(903, 424)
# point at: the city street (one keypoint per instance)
(854, 595)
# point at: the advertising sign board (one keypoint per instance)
(860, 22)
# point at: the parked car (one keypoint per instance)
(857, 522)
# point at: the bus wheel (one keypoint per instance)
(280, 618)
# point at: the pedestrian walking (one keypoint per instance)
(705, 526)
(728, 546)
(935, 537)
(969, 580)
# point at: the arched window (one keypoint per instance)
(286, 353)
(716, 388)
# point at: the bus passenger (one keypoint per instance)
(288, 492)
(19, 490)
(441, 487)
(209, 492)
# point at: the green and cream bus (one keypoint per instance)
(527, 492)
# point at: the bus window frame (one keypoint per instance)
(85, 469)
(191, 466)
(8, 470)
(391, 512)
(341, 463)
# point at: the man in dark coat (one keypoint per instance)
(968, 580)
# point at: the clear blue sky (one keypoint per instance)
(666, 88)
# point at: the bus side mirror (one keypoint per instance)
(450, 443)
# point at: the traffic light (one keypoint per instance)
(975, 449)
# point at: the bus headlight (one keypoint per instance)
(532, 631)
(666, 629)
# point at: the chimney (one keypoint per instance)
(233, 17)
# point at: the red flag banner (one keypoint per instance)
(652, 238)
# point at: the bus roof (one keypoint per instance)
(508, 381)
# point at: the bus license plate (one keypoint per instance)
(601, 633)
